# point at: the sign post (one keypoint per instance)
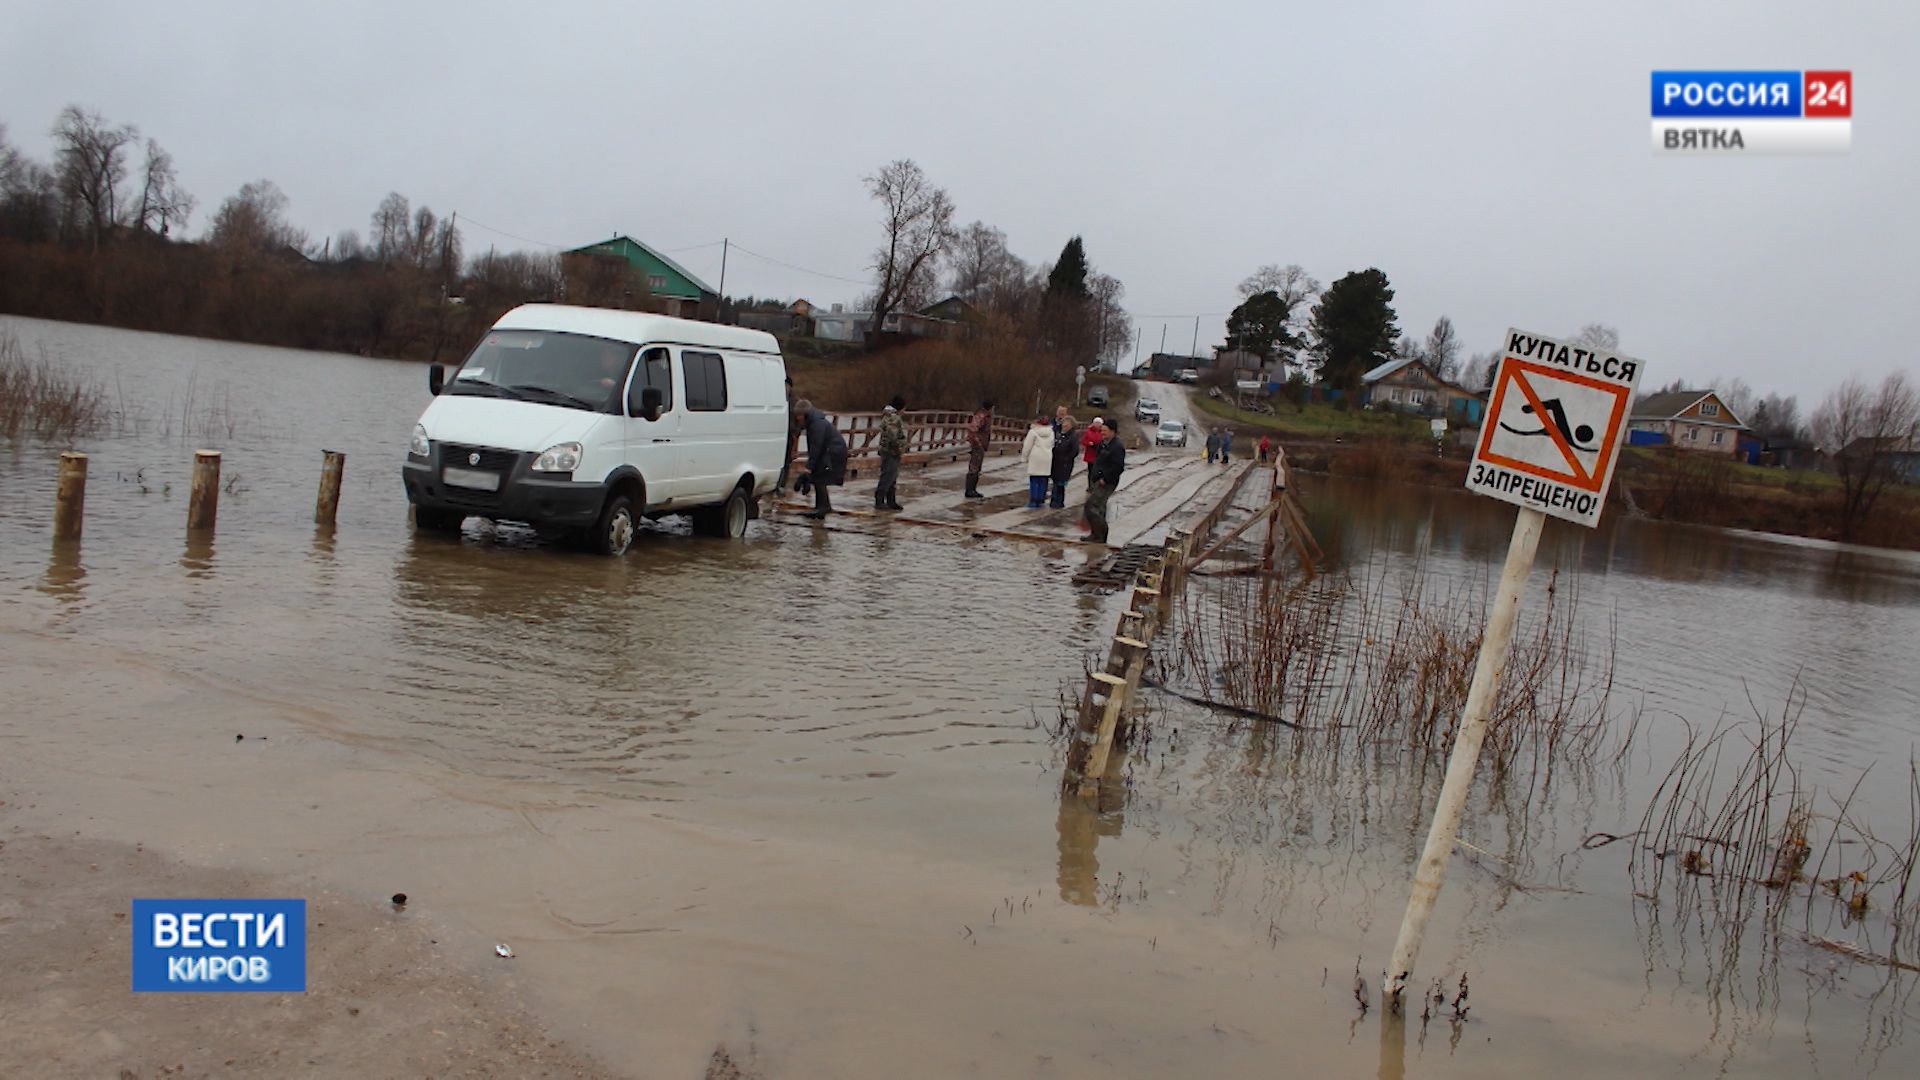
(1549, 444)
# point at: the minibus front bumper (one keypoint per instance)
(538, 499)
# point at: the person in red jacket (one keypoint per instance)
(1089, 448)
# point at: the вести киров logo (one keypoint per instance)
(220, 945)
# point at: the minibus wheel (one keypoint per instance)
(728, 520)
(614, 533)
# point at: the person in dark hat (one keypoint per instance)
(826, 456)
(979, 437)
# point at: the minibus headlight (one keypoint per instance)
(564, 457)
(419, 446)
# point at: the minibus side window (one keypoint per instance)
(706, 378)
(654, 370)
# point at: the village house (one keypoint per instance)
(1409, 385)
(1694, 420)
(1901, 452)
(674, 289)
(794, 320)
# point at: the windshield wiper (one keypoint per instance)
(493, 388)
(556, 395)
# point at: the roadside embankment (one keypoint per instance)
(1692, 489)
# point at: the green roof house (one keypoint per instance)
(673, 287)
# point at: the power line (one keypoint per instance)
(802, 269)
(513, 236)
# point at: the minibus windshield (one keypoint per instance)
(546, 366)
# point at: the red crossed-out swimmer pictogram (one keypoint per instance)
(1576, 424)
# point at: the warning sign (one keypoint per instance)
(1553, 427)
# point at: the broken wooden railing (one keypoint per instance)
(1150, 606)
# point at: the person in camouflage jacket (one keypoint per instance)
(893, 445)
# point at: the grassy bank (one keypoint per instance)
(1668, 486)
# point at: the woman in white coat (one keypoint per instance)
(1037, 451)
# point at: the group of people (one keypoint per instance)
(1220, 446)
(1049, 450)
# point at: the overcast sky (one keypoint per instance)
(1492, 158)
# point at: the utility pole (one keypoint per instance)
(1196, 337)
(724, 244)
(1136, 349)
(1163, 337)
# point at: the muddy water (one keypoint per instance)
(796, 794)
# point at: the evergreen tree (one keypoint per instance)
(1260, 326)
(1353, 325)
(1069, 277)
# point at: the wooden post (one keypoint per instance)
(1118, 687)
(1146, 601)
(333, 463)
(70, 498)
(203, 498)
(1432, 868)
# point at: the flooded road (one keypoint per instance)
(797, 793)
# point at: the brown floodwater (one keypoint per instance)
(798, 792)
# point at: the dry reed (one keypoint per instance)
(40, 400)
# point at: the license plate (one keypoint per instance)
(471, 478)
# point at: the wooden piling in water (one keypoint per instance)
(332, 465)
(203, 498)
(70, 498)
(1118, 689)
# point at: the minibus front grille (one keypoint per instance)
(479, 457)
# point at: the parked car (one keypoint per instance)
(1147, 411)
(1171, 433)
(1190, 375)
(578, 421)
(1097, 397)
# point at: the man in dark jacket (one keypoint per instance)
(1103, 476)
(826, 456)
(1066, 449)
(979, 436)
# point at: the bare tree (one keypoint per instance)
(389, 230)
(1777, 418)
(92, 164)
(1863, 428)
(1113, 328)
(162, 204)
(1442, 350)
(1736, 394)
(918, 219)
(1599, 336)
(347, 246)
(1479, 371)
(979, 251)
(1290, 282)
(255, 219)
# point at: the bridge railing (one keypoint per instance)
(932, 435)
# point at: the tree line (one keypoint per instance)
(1066, 310)
(100, 233)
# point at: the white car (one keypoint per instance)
(1147, 411)
(1171, 433)
(1189, 375)
(578, 421)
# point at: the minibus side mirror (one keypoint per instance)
(436, 379)
(652, 403)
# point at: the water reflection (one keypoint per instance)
(198, 559)
(65, 577)
(1080, 824)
